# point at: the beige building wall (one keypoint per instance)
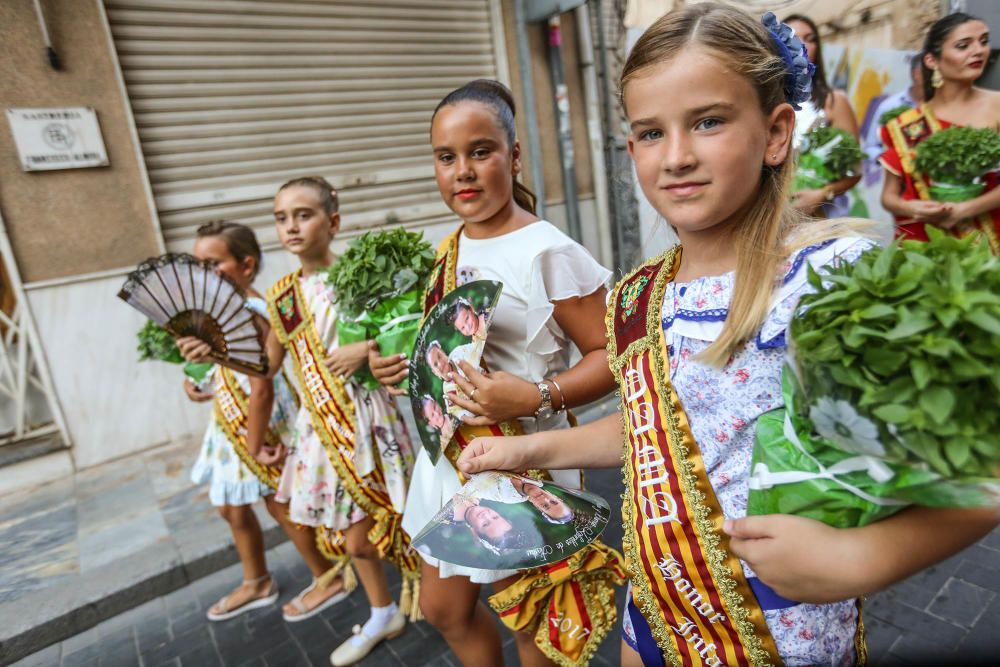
(74, 221)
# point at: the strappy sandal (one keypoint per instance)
(298, 602)
(256, 603)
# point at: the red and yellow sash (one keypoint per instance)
(569, 605)
(905, 132)
(231, 404)
(333, 418)
(443, 279)
(686, 582)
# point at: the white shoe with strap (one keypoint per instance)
(360, 645)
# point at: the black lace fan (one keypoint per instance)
(186, 297)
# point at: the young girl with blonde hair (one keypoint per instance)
(697, 339)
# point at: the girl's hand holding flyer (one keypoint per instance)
(892, 396)
(453, 335)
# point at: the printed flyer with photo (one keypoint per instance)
(503, 521)
(454, 331)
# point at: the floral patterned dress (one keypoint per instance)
(309, 484)
(723, 406)
(230, 481)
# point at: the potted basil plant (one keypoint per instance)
(157, 344)
(827, 154)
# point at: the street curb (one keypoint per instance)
(40, 619)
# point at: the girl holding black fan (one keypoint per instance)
(236, 479)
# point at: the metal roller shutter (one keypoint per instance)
(233, 97)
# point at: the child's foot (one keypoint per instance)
(314, 599)
(384, 623)
(253, 594)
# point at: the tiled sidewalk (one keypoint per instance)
(63, 546)
(85, 548)
(947, 615)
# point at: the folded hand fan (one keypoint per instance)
(186, 297)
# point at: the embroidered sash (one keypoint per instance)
(443, 279)
(231, 404)
(905, 132)
(687, 584)
(569, 605)
(333, 417)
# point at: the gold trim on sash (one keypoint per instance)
(231, 410)
(333, 417)
(569, 605)
(686, 582)
(905, 149)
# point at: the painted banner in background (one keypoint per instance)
(868, 76)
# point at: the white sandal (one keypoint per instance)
(304, 612)
(270, 598)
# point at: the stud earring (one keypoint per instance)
(936, 79)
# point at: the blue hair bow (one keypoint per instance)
(798, 79)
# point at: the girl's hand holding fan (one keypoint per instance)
(190, 300)
(194, 350)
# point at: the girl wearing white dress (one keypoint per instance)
(552, 299)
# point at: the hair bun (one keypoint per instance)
(495, 89)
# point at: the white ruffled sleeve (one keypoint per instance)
(560, 272)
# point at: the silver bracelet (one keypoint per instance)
(562, 396)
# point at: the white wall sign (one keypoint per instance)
(57, 138)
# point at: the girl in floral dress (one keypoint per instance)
(348, 465)
(234, 486)
(697, 339)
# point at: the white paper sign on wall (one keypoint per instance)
(57, 138)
